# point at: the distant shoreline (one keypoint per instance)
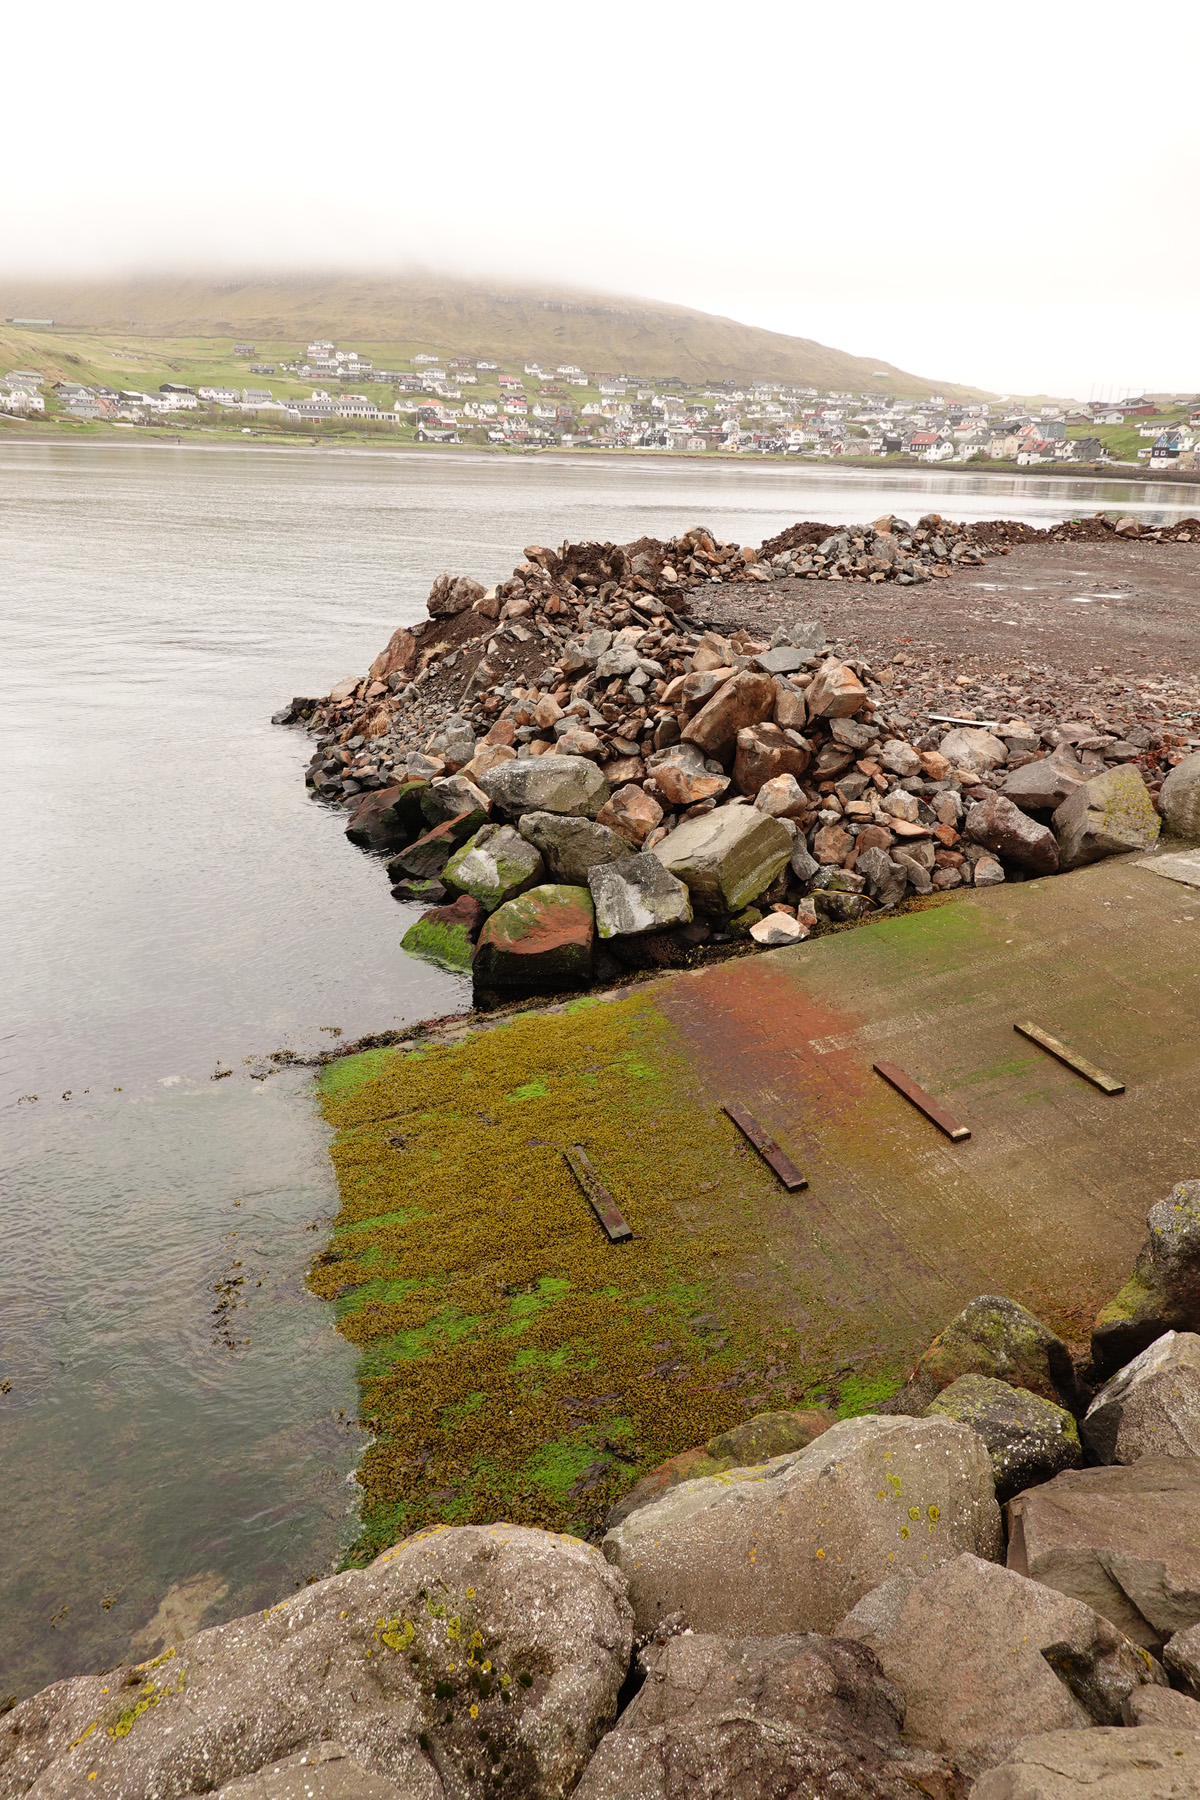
(234, 440)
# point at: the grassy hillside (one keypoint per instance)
(400, 315)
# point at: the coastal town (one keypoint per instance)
(326, 389)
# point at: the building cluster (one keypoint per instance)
(474, 400)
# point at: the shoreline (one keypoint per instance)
(141, 437)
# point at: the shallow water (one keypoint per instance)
(171, 901)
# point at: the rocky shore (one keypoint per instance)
(988, 1588)
(579, 772)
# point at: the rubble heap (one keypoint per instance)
(574, 775)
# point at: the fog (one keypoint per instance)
(1002, 196)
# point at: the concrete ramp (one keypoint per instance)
(518, 1363)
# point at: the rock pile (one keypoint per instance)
(855, 1609)
(573, 729)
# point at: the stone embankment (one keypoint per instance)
(991, 1588)
(576, 777)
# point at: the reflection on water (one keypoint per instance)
(172, 1449)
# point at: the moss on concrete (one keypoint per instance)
(515, 1363)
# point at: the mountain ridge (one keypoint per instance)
(607, 333)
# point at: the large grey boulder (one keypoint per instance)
(450, 796)
(557, 784)
(492, 1649)
(1029, 1439)
(1161, 1706)
(1108, 815)
(570, 846)
(793, 1543)
(494, 866)
(1146, 1763)
(1179, 800)
(970, 747)
(1123, 1540)
(726, 858)
(1003, 828)
(1151, 1407)
(1043, 785)
(984, 1657)
(802, 1716)
(637, 895)
(995, 1336)
(1163, 1292)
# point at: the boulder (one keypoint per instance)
(755, 1441)
(726, 858)
(1121, 1539)
(373, 823)
(791, 714)
(1161, 1706)
(1151, 1407)
(585, 652)
(540, 942)
(801, 1716)
(1108, 815)
(1029, 1439)
(427, 856)
(792, 1543)
(632, 814)
(764, 752)
(832, 844)
(405, 812)
(835, 692)
(571, 846)
(886, 880)
(452, 797)
(990, 1336)
(969, 747)
(425, 893)
(1003, 828)
(343, 690)
(452, 594)
(488, 756)
(988, 872)
(782, 797)
(1043, 785)
(777, 930)
(1163, 1292)
(839, 905)
(486, 1658)
(1181, 1654)
(447, 934)
(1179, 801)
(557, 784)
(636, 895)
(683, 777)
(746, 699)
(623, 769)
(984, 1657)
(399, 657)
(1146, 1763)
(494, 865)
(900, 758)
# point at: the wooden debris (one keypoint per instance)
(1106, 1083)
(768, 1149)
(924, 1102)
(597, 1195)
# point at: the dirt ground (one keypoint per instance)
(1112, 627)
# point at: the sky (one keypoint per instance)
(1001, 195)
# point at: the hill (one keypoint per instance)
(458, 318)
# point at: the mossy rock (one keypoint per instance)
(991, 1336)
(496, 864)
(745, 1446)
(540, 942)
(1030, 1440)
(446, 934)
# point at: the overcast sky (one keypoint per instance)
(1002, 195)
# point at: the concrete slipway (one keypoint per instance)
(516, 1363)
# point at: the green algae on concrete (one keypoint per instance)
(516, 1364)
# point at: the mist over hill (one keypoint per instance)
(599, 332)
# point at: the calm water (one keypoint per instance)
(171, 901)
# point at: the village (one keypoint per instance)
(475, 401)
